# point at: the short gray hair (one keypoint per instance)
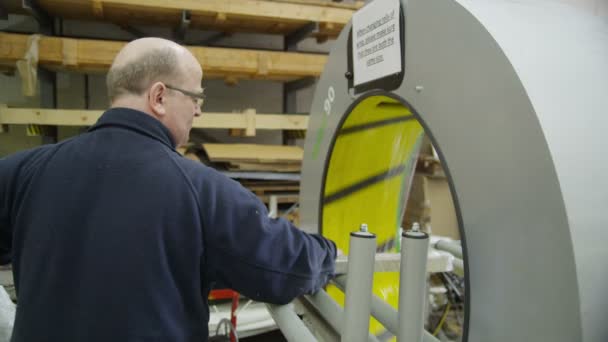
(137, 74)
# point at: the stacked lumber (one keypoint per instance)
(285, 191)
(253, 157)
(250, 121)
(261, 188)
(279, 17)
(89, 55)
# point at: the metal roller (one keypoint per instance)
(359, 290)
(412, 284)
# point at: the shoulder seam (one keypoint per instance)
(185, 176)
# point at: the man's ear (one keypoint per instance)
(156, 98)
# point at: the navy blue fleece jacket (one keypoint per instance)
(114, 236)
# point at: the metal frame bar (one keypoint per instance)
(290, 324)
(3, 12)
(43, 18)
(384, 312)
(214, 38)
(137, 33)
(292, 39)
(331, 311)
(290, 89)
(179, 33)
(299, 84)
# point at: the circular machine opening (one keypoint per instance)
(382, 170)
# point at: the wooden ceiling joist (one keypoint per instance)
(86, 55)
(280, 17)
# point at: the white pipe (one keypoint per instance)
(384, 312)
(412, 285)
(273, 206)
(290, 324)
(331, 311)
(458, 267)
(360, 274)
(450, 247)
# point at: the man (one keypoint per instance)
(114, 236)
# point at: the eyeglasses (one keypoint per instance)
(198, 98)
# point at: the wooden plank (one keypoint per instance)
(52, 117)
(277, 167)
(87, 55)
(3, 127)
(262, 121)
(253, 153)
(329, 3)
(273, 188)
(223, 15)
(284, 198)
(75, 117)
(248, 183)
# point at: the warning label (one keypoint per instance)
(376, 44)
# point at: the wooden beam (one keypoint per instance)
(75, 117)
(254, 153)
(51, 117)
(3, 127)
(237, 15)
(281, 198)
(87, 55)
(327, 3)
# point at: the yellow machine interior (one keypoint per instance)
(368, 177)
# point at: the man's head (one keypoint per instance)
(161, 78)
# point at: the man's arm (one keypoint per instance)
(8, 171)
(265, 259)
(5, 229)
(13, 170)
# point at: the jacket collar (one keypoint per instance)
(137, 121)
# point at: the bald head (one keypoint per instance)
(145, 61)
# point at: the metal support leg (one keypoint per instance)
(412, 285)
(384, 312)
(331, 312)
(290, 324)
(359, 290)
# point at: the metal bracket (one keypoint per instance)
(213, 38)
(292, 39)
(290, 43)
(134, 31)
(180, 31)
(3, 13)
(300, 84)
(43, 18)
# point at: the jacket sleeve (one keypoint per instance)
(265, 259)
(15, 171)
(9, 168)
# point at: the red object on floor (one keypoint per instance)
(227, 294)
